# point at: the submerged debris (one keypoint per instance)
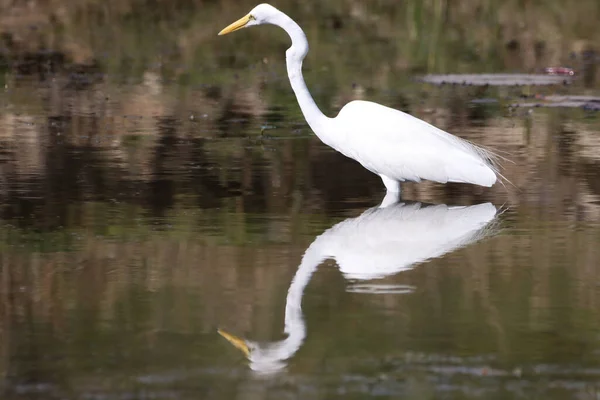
(496, 79)
(591, 103)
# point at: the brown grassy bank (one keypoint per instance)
(130, 35)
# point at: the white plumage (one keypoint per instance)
(398, 146)
(392, 144)
(387, 240)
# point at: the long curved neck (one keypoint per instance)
(294, 56)
(272, 356)
(294, 321)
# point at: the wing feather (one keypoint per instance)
(395, 144)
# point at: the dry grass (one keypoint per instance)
(430, 34)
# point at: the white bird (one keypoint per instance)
(380, 242)
(390, 143)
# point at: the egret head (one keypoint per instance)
(265, 359)
(261, 14)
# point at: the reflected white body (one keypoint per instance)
(392, 144)
(380, 242)
(385, 241)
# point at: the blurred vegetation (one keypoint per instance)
(178, 37)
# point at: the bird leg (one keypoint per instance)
(393, 191)
(390, 198)
(391, 185)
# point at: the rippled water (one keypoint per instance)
(138, 222)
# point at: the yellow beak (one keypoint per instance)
(239, 24)
(236, 341)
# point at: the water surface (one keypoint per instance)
(140, 216)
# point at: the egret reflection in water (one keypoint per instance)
(380, 242)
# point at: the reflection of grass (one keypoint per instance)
(133, 140)
(125, 223)
(136, 294)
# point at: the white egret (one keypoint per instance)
(390, 143)
(380, 242)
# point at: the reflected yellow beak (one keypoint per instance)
(239, 24)
(236, 341)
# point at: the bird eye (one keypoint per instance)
(251, 17)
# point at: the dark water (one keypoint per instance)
(139, 219)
